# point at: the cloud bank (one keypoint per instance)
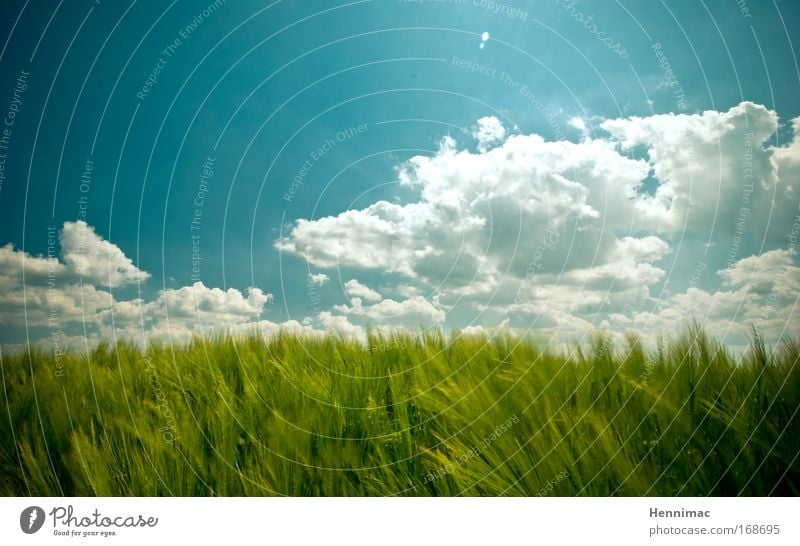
(601, 233)
(643, 224)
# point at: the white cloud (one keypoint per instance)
(84, 255)
(376, 237)
(760, 291)
(478, 214)
(501, 329)
(40, 305)
(177, 313)
(412, 313)
(340, 325)
(629, 266)
(580, 125)
(645, 249)
(210, 304)
(571, 233)
(615, 276)
(704, 164)
(772, 270)
(318, 279)
(95, 259)
(37, 268)
(355, 289)
(269, 329)
(38, 291)
(407, 291)
(489, 132)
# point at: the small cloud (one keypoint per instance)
(489, 132)
(318, 279)
(580, 125)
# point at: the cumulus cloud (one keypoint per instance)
(37, 268)
(573, 235)
(489, 131)
(318, 279)
(412, 313)
(645, 249)
(40, 305)
(95, 259)
(376, 237)
(771, 271)
(501, 329)
(84, 255)
(36, 290)
(268, 328)
(760, 290)
(39, 291)
(209, 304)
(629, 266)
(707, 165)
(340, 325)
(355, 289)
(176, 313)
(580, 125)
(477, 214)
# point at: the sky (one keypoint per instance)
(550, 168)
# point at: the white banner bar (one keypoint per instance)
(400, 521)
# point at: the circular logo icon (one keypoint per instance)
(31, 519)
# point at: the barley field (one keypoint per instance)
(411, 414)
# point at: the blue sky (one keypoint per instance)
(379, 163)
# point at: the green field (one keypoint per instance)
(407, 415)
